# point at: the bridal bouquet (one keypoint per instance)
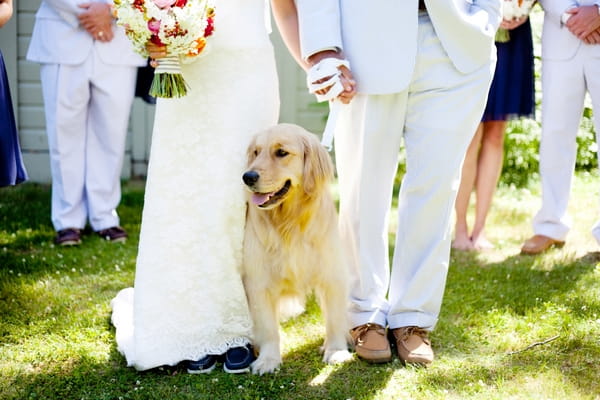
(180, 25)
(513, 9)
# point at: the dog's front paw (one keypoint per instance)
(265, 364)
(333, 356)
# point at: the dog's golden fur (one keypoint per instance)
(291, 244)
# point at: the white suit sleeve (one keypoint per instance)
(319, 25)
(67, 10)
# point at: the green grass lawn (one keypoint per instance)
(512, 326)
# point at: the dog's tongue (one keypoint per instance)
(261, 198)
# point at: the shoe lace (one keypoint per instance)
(415, 330)
(363, 329)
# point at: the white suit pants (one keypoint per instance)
(437, 116)
(564, 83)
(87, 110)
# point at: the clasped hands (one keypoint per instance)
(584, 22)
(97, 20)
(346, 78)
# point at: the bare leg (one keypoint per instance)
(462, 240)
(489, 166)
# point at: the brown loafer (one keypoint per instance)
(539, 243)
(68, 237)
(114, 234)
(371, 343)
(413, 345)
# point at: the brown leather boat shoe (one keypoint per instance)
(371, 343)
(539, 243)
(413, 345)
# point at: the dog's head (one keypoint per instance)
(283, 161)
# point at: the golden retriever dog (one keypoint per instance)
(291, 244)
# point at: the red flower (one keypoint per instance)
(210, 27)
(156, 40)
(180, 3)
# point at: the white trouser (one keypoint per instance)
(564, 84)
(87, 110)
(437, 116)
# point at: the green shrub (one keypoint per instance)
(521, 149)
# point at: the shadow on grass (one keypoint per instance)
(519, 289)
(302, 376)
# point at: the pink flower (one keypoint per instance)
(163, 3)
(154, 25)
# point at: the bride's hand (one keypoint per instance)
(155, 52)
(510, 24)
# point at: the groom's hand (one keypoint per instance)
(584, 21)
(346, 78)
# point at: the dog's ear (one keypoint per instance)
(318, 167)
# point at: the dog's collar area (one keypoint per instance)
(264, 200)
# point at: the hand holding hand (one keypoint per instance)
(593, 38)
(97, 20)
(584, 21)
(346, 78)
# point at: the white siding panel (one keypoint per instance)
(31, 117)
(30, 93)
(25, 23)
(28, 5)
(28, 71)
(34, 140)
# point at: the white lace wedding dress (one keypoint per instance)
(188, 299)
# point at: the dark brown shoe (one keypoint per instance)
(413, 345)
(68, 237)
(539, 243)
(114, 234)
(371, 343)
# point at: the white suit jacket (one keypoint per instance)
(558, 43)
(57, 38)
(379, 37)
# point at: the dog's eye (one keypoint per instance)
(281, 153)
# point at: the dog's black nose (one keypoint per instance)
(250, 177)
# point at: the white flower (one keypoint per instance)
(179, 28)
(512, 9)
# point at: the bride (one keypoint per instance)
(189, 304)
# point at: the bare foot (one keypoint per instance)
(481, 243)
(462, 243)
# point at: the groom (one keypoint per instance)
(422, 72)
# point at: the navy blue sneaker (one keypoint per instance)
(203, 365)
(238, 359)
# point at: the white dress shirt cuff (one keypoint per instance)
(336, 49)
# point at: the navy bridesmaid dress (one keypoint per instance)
(12, 170)
(512, 94)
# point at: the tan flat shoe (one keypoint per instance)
(539, 243)
(371, 343)
(413, 345)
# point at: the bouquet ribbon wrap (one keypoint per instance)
(168, 80)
